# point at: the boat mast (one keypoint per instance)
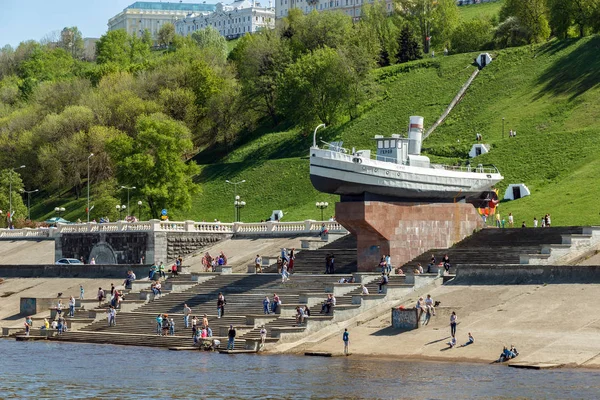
(315, 134)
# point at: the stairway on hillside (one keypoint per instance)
(495, 246)
(244, 294)
(313, 261)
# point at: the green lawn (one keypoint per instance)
(473, 11)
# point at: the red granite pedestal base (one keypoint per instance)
(404, 230)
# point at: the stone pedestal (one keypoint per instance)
(404, 230)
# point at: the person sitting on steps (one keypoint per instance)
(384, 281)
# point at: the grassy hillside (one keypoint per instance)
(549, 94)
(489, 9)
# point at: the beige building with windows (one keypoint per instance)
(150, 15)
(349, 7)
(231, 20)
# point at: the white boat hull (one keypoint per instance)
(348, 175)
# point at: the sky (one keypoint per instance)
(22, 20)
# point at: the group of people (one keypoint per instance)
(301, 314)
(164, 325)
(210, 263)
(508, 354)
(385, 264)
(271, 306)
(445, 263)
(285, 263)
(546, 221)
(328, 304)
(425, 306)
(157, 271)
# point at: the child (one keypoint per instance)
(81, 292)
(171, 327)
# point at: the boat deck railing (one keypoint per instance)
(479, 168)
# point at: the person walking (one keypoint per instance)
(453, 321)
(27, 326)
(231, 338)
(221, 305)
(159, 320)
(258, 264)
(81, 291)
(71, 306)
(186, 315)
(292, 258)
(263, 336)
(346, 339)
(100, 296)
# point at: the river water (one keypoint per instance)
(63, 370)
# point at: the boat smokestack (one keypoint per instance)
(415, 134)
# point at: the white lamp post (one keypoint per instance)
(235, 196)
(88, 187)
(322, 206)
(29, 201)
(10, 210)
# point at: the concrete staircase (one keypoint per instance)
(502, 246)
(313, 261)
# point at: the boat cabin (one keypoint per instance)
(397, 149)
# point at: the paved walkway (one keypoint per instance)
(26, 252)
(548, 324)
(242, 252)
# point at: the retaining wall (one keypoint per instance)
(72, 271)
(515, 274)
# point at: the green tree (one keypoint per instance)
(580, 13)
(18, 207)
(435, 19)
(71, 41)
(113, 47)
(531, 15)
(510, 33)
(319, 86)
(155, 162)
(260, 60)
(446, 18)
(472, 35)
(212, 44)
(317, 30)
(382, 28)
(409, 46)
(166, 33)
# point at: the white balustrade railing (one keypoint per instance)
(254, 228)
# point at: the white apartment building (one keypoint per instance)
(150, 15)
(349, 7)
(231, 20)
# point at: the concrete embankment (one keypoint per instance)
(525, 274)
(26, 251)
(554, 323)
(72, 271)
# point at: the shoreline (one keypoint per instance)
(360, 356)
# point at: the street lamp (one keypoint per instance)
(235, 196)
(10, 210)
(128, 189)
(322, 206)
(140, 210)
(59, 210)
(502, 127)
(88, 187)
(120, 209)
(29, 201)
(238, 204)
